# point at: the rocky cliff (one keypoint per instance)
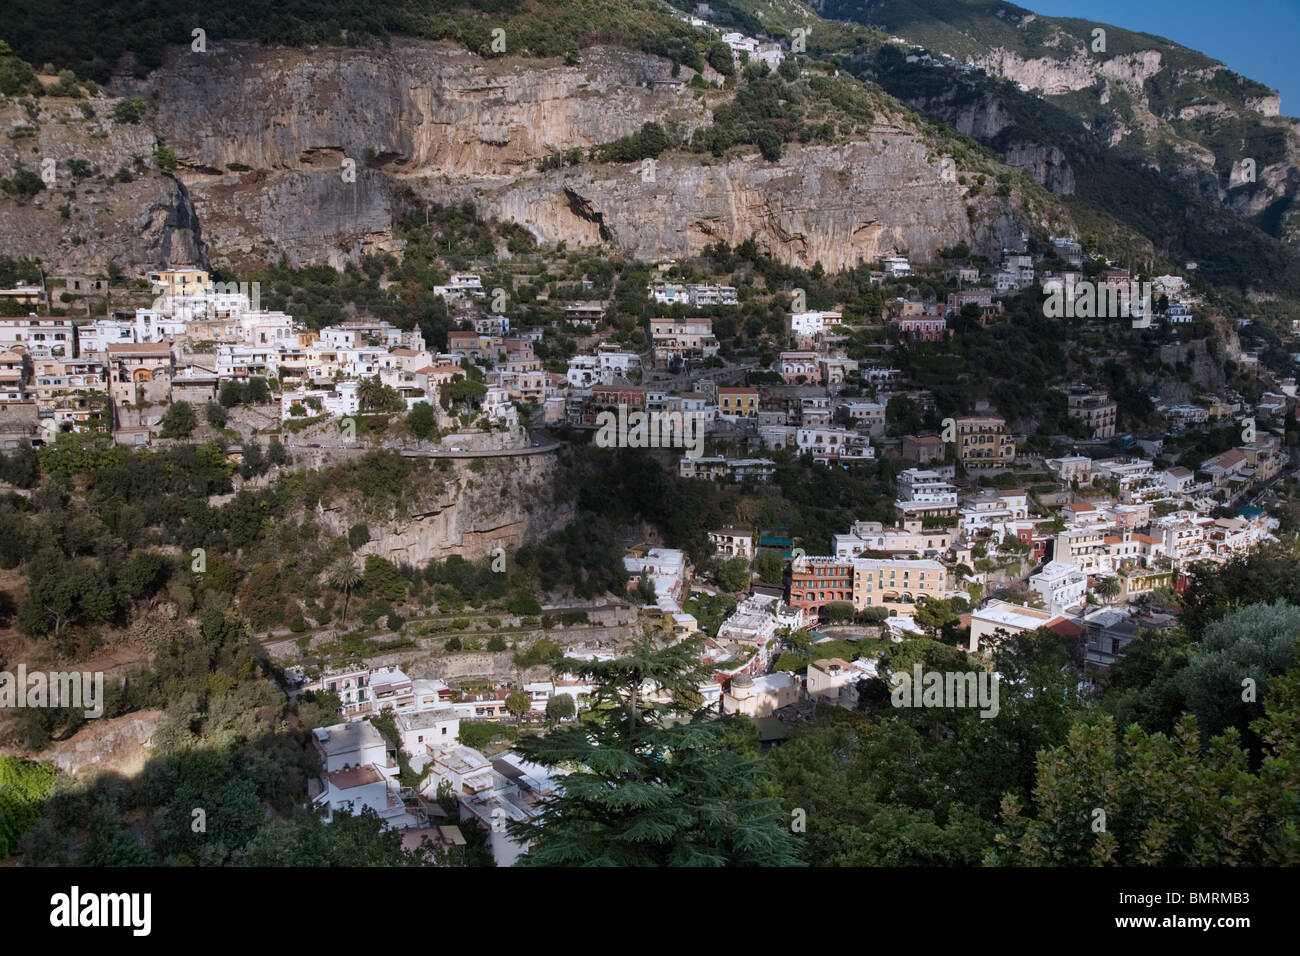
(478, 506)
(100, 207)
(1161, 104)
(263, 136)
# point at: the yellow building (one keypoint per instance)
(740, 402)
(983, 440)
(180, 281)
(896, 584)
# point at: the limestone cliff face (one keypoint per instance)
(1051, 75)
(1047, 164)
(837, 205)
(144, 223)
(1125, 79)
(263, 135)
(419, 106)
(496, 502)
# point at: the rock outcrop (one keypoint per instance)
(1047, 164)
(268, 140)
(483, 504)
(145, 220)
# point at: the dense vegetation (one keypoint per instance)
(1184, 772)
(90, 40)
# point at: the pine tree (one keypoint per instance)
(648, 790)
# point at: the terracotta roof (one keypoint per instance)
(1063, 626)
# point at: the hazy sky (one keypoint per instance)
(1257, 38)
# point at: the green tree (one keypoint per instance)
(734, 574)
(374, 395)
(647, 792)
(1241, 650)
(24, 786)
(304, 840)
(74, 593)
(258, 393)
(345, 577)
(232, 393)
(421, 420)
(382, 582)
(164, 158)
(771, 567)
(645, 589)
(1109, 587)
(838, 612)
(518, 703)
(129, 111)
(215, 414)
(934, 615)
(179, 420)
(720, 57)
(560, 707)
(1150, 800)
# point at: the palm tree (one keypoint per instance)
(1109, 587)
(370, 392)
(345, 577)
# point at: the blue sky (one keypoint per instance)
(1257, 38)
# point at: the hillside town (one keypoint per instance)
(653, 433)
(1092, 536)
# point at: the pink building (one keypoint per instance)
(799, 368)
(925, 328)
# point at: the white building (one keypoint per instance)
(926, 487)
(733, 543)
(997, 618)
(461, 285)
(834, 445)
(895, 266)
(339, 402)
(1061, 586)
(1071, 468)
(666, 570)
(807, 325)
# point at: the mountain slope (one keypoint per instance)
(1172, 108)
